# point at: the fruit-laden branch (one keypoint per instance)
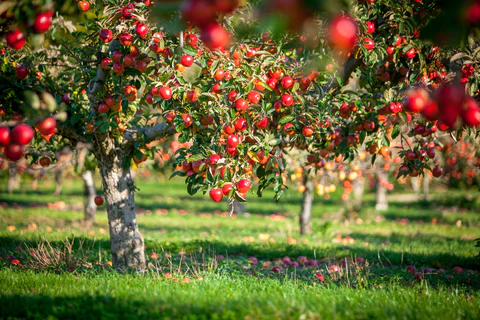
(98, 84)
(69, 133)
(148, 134)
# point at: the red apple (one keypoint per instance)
(15, 39)
(42, 22)
(4, 136)
(99, 200)
(14, 152)
(342, 33)
(243, 185)
(22, 134)
(216, 194)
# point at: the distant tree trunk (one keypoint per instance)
(415, 184)
(358, 190)
(13, 178)
(126, 242)
(426, 186)
(58, 174)
(381, 194)
(90, 206)
(305, 214)
(237, 207)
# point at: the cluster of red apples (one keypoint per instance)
(13, 142)
(16, 37)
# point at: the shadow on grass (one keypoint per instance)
(88, 306)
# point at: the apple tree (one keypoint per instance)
(299, 75)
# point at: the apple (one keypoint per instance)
(42, 22)
(214, 36)
(141, 30)
(370, 26)
(254, 97)
(213, 159)
(46, 126)
(106, 35)
(216, 194)
(99, 200)
(262, 123)
(243, 186)
(416, 100)
(191, 39)
(22, 72)
(368, 43)
(22, 134)
(84, 5)
(14, 152)
(457, 270)
(125, 39)
(232, 141)
(437, 172)
(410, 54)
(308, 131)
(192, 96)
(286, 82)
(118, 68)
(342, 33)
(241, 124)
(4, 136)
(44, 162)
(241, 104)
(15, 39)
(140, 65)
(165, 92)
(187, 120)
(289, 128)
(103, 108)
(187, 60)
(287, 100)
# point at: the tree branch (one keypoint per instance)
(97, 85)
(344, 73)
(69, 132)
(148, 134)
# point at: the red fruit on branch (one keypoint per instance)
(232, 141)
(216, 194)
(44, 162)
(22, 134)
(4, 136)
(42, 22)
(22, 72)
(243, 185)
(287, 100)
(46, 126)
(214, 36)
(187, 60)
(125, 39)
(437, 172)
(241, 104)
(14, 152)
(15, 39)
(141, 30)
(342, 33)
(191, 39)
(192, 96)
(165, 93)
(227, 188)
(105, 35)
(416, 100)
(254, 97)
(84, 5)
(368, 43)
(370, 26)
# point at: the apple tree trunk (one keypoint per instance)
(90, 206)
(126, 242)
(305, 214)
(381, 193)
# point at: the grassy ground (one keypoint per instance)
(205, 264)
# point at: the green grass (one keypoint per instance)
(69, 277)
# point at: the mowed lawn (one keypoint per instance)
(204, 263)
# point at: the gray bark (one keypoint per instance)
(381, 194)
(415, 184)
(126, 242)
(237, 207)
(358, 190)
(305, 214)
(13, 178)
(426, 186)
(90, 206)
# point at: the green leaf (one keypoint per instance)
(395, 131)
(374, 157)
(286, 119)
(178, 173)
(178, 123)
